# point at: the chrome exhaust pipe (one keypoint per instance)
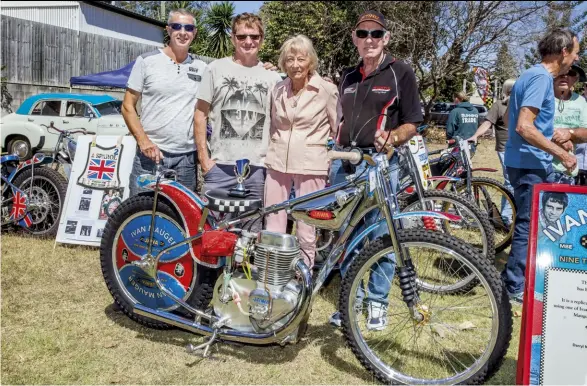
(237, 336)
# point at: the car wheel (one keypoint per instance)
(21, 147)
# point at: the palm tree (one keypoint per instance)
(218, 21)
(230, 83)
(261, 89)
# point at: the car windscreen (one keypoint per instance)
(109, 108)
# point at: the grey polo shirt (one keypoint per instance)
(169, 93)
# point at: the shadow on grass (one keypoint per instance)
(321, 335)
(506, 375)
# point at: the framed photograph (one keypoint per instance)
(111, 199)
(553, 343)
(85, 231)
(70, 227)
(84, 204)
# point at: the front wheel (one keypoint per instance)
(20, 146)
(126, 239)
(454, 339)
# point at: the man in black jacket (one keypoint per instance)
(379, 102)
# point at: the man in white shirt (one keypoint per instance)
(167, 80)
(234, 96)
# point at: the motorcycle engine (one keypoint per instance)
(267, 300)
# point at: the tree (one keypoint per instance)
(326, 23)
(442, 40)
(505, 65)
(558, 15)
(153, 9)
(218, 23)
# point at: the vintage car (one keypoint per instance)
(23, 132)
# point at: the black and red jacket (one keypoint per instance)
(387, 98)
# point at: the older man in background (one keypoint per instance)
(529, 150)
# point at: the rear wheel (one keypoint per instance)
(125, 240)
(497, 202)
(46, 191)
(473, 229)
(460, 338)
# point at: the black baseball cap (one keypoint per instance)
(374, 16)
(579, 70)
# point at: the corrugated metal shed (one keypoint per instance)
(58, 13)
(103, 22)
(104, 19)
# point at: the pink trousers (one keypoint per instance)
(277, 190)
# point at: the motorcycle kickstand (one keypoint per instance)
(191, 349)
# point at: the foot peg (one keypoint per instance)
(191, 349)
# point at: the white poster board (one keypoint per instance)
(86, 209)
(565, 328)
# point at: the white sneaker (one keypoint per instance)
(377, 318)
(336, 318)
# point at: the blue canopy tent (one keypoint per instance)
(116, 78)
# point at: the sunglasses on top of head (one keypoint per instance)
(375, 33)
(178, 26)
(242, 37)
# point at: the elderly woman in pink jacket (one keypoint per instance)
(304, 113)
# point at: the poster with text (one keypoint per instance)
(89, 204)
(553, 344)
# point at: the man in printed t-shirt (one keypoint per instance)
(234, 96)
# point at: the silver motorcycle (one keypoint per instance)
(167, 261)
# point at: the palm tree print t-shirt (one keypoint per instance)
(239, 110)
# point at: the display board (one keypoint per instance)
(98, 183)
(553, 342)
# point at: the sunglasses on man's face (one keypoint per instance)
(178, 26)
(375, 34)
(242, 37)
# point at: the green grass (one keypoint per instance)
(58, 327)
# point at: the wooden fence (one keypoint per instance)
(46, 55)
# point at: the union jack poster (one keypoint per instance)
(101, 170)
(19, 209)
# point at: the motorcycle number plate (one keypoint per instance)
(372, 180)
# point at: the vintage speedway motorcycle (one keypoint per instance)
(168, 262)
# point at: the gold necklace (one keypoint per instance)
(295, 103)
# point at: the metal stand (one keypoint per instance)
(191, 349)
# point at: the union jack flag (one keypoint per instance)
(101, 169)
(18, 212)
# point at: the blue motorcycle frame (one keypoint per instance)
(20, 203)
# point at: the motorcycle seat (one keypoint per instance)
(220, 201)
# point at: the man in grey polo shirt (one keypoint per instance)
(167, 80)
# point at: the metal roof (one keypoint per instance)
(26, 106)
(122, 11)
